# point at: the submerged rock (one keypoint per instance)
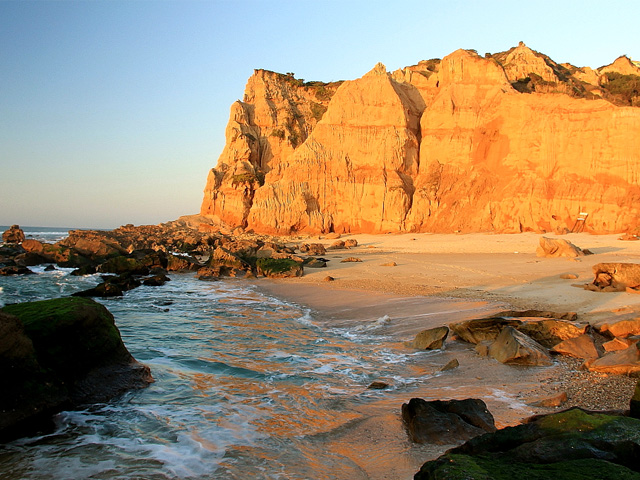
(58, 354)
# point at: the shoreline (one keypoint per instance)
(441, 279)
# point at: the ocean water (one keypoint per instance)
(250, 386)
(246, 386)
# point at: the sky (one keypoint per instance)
(113, 112)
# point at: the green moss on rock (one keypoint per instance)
(279, 267)
(71, 334)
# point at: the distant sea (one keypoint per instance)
(44, 234)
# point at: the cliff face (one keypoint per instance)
(463, 144)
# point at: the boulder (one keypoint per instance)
(558, 247)
(30, 259)
(13, 235)
(450, 365)
(479, 329)
(634, 404)
(33, 246)
(570, 444)
(552, 401)
(578, 347)
(515, 348)
(338, 245)
(431, 339)
(617, 276)
(176, 263)
(315, 263)
(279, 268)
(377, 385)
(548, 331)
(313, 249)
(618, 344)
(446, 422)
(123, 264)
(621, 362)
(351, 243)
(15, 270)
(156, 280)
(63, 353)
(621, 328)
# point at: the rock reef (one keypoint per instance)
(508, 142)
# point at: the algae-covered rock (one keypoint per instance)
(573, 444)
(279, 267)
(59, 354)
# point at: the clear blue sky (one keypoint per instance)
(112, 112)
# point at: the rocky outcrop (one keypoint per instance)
(58, 354)
(511, 142)
(569, 444)
(13, 235)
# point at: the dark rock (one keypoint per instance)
(377, 386)
(446, 422)
(13, 235)
(122, 264)
(50, 268)
(634, 405)
(29, 259)
(156, 280)
(573, 444)
(85, 270)
(104, 290)
(315, 263)
(15, 270)
(59, 354)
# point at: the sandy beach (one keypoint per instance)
(440, 279)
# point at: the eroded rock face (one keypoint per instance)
(463, 144)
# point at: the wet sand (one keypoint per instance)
(440, 279)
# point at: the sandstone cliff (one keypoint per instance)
(507, 142)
